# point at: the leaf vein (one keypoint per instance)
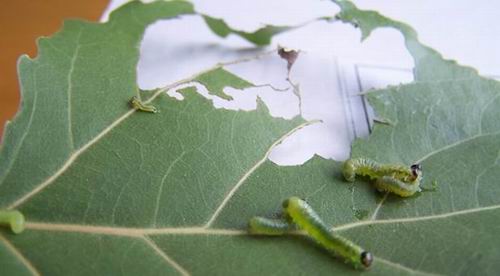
(414, 219)
(70, 88)
(452, 145)
(26, 131)
(249, 172)
(162, 184)
(73, 156)
(201, 230)
(167, 258)
(20, 256)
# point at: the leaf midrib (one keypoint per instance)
(143, 233)
(202, 230)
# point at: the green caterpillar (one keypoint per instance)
(398, 179)
(265, 226)
(301, 215)
(307, 219)
(392, 185)
(14, 219)
(136, 103)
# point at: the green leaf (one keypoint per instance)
(447, 120)
(108, 190)
(215, 81)
(12, 261)
(78, 154)
(260, 37)
(73, 92)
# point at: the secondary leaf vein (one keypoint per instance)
(249, 172)
(167, 258)
(20, 256)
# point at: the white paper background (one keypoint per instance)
(334, 67)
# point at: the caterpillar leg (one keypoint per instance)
(392, 185)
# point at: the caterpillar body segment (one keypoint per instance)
(307, 219)
(398, 179)
(266, 226)
(392, 185)
(14, 219)
(374, 170)
(136, 103)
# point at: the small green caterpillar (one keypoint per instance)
(265, 226)
(398, 179)
(14, 219)
(136, 103)
(374, 170)
(392, 185)
(307, 219)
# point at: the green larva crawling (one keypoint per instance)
(307, 219)
(136, 103)
(398, 179)
(265, 226)
(14, 219)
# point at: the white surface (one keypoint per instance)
(467, 31)
(334, 68)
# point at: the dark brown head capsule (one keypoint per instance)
(366, 258)
(416, 169)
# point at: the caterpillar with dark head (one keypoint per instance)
(307, 219)
(398, 179)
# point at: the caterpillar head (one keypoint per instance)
(416, 170)
(366, 258)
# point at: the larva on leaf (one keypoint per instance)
(14, 219)
(307, 219)
(136, 103)
(398, 179)
(265, 226)
(392, 185)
